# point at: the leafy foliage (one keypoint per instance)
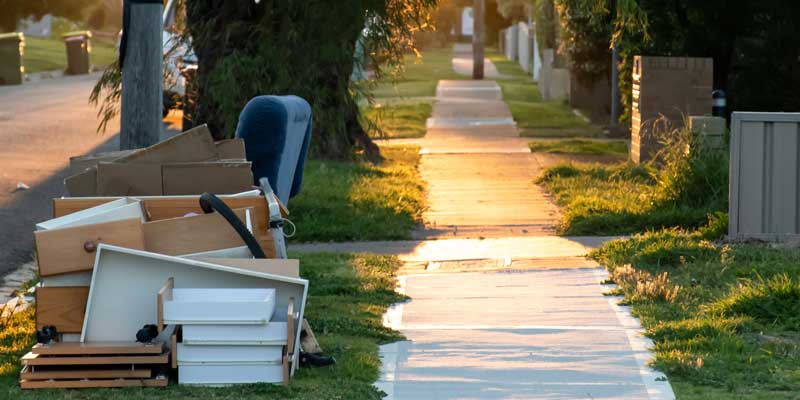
(753, 44)
(303, 48)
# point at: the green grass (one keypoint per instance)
(348, 295)
(535, 117)
(613, 200)
(344, 201)
(43, 54)
(731, 330)
(419, 76)
(399, 120)
(580, 147)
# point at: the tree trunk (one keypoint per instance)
(280, 48)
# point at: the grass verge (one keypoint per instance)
(613, 200)
(723, 317)
(344, 201)
(399, 120)
(48, 54)
(420, 75)
(679, 189)
(580, 147)
(347, 297)
(535, 117)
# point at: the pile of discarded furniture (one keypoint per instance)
(143, 271)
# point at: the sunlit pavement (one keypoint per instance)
(500, 308)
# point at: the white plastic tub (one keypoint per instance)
(219, 306)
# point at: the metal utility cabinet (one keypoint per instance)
(765, 176)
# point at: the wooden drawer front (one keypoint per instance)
(188, 235)
(159, 208)
(61, 251)
(62, 307)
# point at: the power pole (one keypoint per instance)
(478, 13)
(142, 98)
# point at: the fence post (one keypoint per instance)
(142, 97)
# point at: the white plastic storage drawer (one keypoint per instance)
(219, 306)
(218, 375)
(216, 355)
(273, 333)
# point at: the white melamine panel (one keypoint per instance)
(233, 252)
(115, 210)
(122, 296)
(272, 333)
(219, 306)
(220, 375)
(73, 279)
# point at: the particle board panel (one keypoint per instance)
(97, 348)
(196, 144)
(116, 179)
(231, 149)
(187, 235)
(61, 251)
(125, 278)
(62, 307)
(70, 372)
(32, 359)
(92, 383)
(222, 177)
(164, 207)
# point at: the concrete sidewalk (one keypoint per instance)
(547, 334)
(479, 171)
(499, 308)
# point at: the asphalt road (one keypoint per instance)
(42, 125)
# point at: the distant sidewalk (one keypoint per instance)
(462, 62)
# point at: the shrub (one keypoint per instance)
(693, 172)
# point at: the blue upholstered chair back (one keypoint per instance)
(276, 131)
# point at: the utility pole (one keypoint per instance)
(478, 13)
(142, 97)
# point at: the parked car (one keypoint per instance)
(179, 57)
